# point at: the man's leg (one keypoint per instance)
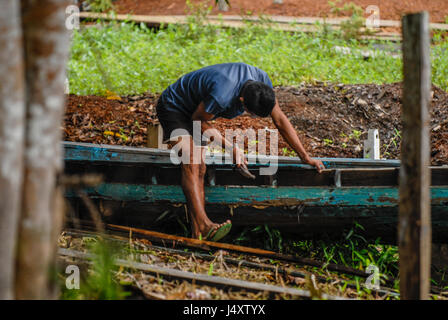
(193, 188)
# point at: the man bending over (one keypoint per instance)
(224, 90)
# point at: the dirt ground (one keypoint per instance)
(389, 9)
(331, 120)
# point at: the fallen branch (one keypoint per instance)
(202, 244)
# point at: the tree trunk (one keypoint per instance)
(12, 113)
(46, 50)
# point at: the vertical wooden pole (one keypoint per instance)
(46, 45)
(12, 121)
(414, 230)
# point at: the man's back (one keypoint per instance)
(218, 86)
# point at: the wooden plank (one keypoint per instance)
(260, 196)
(369, 177)
(301, 221)
(281, 20)
(79, 151)
(226, 175)
(201, 278)
(155, 136)
(157, 21)
(414, 231)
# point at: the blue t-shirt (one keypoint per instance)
(218, 86)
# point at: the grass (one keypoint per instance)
(131, 59)
(99, 283)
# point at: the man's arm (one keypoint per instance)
(201, 115)
(289, 134)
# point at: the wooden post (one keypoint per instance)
(12, 120)
(46, 42)
(155, 136)
(414, 230)
(372, 145)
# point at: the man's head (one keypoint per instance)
(258, 98)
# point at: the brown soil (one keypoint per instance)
(331, 120)
(389, 10)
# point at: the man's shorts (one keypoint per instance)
(172, 120)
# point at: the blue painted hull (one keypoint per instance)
(143, 183)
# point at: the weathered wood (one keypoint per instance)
(414, 230)
(301, 221)
(46, 45)
(372, 145)
(12, 116)
(79, 151)
(155, 136)
(292, 24)
(261, 196)
(201, 278)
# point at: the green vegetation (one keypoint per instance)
(100, 5)
(354, 27)
(271, 238)
(395, 141)
(128, 59)
(100, 283)
(131, 59)
(351, 250)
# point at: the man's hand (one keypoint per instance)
(316, 163)
(238, 157)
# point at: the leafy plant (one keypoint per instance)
(270, 238)
(394, 141)
(353, 28)
(355, 135)
(99, 284)
(100, 5)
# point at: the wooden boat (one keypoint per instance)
(141, 184)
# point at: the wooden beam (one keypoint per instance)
(79, 151)
(203, 244)
(291, 24)
(281, 20)
(155, 136)
(414, 230)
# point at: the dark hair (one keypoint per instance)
(259, 98)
